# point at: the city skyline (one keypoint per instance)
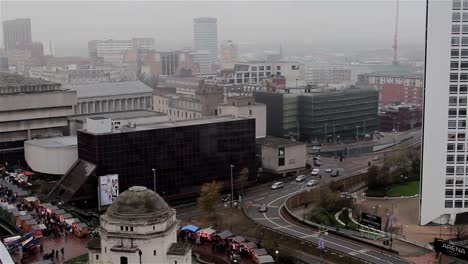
(236, 20)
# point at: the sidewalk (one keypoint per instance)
(73, 247)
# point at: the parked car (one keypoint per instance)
(335, 173)
(277, 185)
(311, 183)
(300, 178)
(329, 170)
(315, 172)
(263, 208)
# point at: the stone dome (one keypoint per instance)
(139, 203)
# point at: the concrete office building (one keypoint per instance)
(321, 114)
(281, 156)
(203, 102)
(229, 53)
(31, 108)
(313, 73)
(256, 72)
(114, 50)
(245, 106)
(444, 187)
(184, 155)
(169, 62)
(205, 36)
(72, 75)
(112, 97)
(395, 88)
(202, 60)
(16, 32)
(139, 227)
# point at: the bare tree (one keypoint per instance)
(209, 196)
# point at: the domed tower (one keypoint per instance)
(139, 227)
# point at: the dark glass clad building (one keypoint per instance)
(185, 154)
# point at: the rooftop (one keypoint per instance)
(179, 249)
(395, 74)
(118, 115)
(54, 142)
(8, 80)
(109, 89)
(277, 142)
(178, 123)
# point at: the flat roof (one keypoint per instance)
(277, 142)
(11, 79)
(117, 115)
(109, 89)
(54, 142)
(178, 123)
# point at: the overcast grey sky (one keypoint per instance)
(328, 23)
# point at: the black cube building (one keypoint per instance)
(184, 155)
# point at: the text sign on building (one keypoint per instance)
(108, 188)
(371, 220)
(446, 248)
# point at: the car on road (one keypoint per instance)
(311, 183)
(335, 173)
(277, 185)
(315, 172)
(329, 170)
(263, 208)
(317, 163)
(300, 178)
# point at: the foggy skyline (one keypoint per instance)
(343, 25)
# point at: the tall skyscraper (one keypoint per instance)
(229, 52)
(444, 187)
(205, 36)
(16, 32)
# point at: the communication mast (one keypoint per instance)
(395, 37)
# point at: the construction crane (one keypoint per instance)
(395, 37)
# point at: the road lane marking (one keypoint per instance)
(261, 198)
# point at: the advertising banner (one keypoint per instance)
(108, 188)
(447, 248)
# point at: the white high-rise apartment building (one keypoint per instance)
(444, 187)
(205, 35)
(229, 53)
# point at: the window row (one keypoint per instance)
(452, 146)
(454, 101)
(462, 65)
(452, 124)
(452, 136)
(454, 77)
(457, 28)
(459, 170)
(458, 182)
(462, 89)
(455, 53)
(457, 204)
(457, 4)
(452, 112)
(456, 41)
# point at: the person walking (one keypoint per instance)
(63, 251)
(56, 253)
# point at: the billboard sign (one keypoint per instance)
(371, 221)
(108, 188)
(447, 248)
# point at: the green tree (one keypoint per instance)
(328, 199)
(209, 197)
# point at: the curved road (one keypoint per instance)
(275, 219)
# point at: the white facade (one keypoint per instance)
(281, 155)
(205, 36)
(51, 155)
(248, 110)
(256, 72)
(444, 188)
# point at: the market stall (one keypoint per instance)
(206, 233)
(80, 229)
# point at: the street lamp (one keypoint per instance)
(357, 133)
(276, 253)
(154, 179)
(232, 193)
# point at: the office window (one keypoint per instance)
(448, 193)
(462, 112)
(458, 204)
(456, 16)
(461, 124)
(458, 192)
(462, 101)
(455, 41)
(463, 76)
(460, 146)
(278, 68)
(453, 100)
(261, 68)
(453, 89)
(254, 68)
(454, 77)
(460, 170)
(452, 124)
(456, 4)
(448, 182)
(131, 228)
(450, 159)
(268, 68)
(454, 65)
(463, 88)
(455, 53)
(154, 252)
(448, 204)
(456, 29)
(281, 161)
(451, 136)
(452, 112)
(450, 170)
(450, 146)
(460, 158)
(464, 53)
